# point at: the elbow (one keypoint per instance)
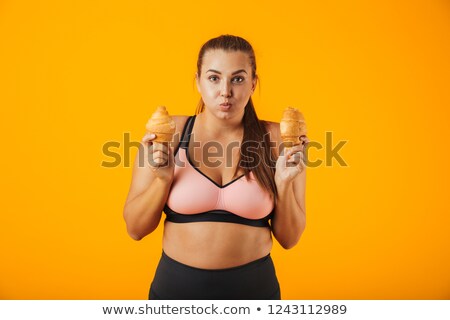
(133, 232)
(135, 236)
(289, 245)
(137, 233)
(292, 242)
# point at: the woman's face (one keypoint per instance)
(225, 83)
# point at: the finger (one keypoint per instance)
(159, 154)
(158, 160)
(148, 137)
(171, 158)
(156, 157)
(296, 156)
(164, 147)
(155, 153)
(301, 163)
(304, 140)
(284, 151)
(293, 150)
(293, 160)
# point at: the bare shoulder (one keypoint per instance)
(180, 122)
(274, 129)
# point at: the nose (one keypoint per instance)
(225, 90)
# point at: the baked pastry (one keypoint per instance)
(292, 127)
(161, 124)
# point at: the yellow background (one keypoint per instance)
(77, 74)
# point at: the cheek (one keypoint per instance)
(209, 96)
(243, 93)
(209, 91)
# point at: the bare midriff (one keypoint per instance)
(215, 245)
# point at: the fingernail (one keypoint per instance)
(152, 136)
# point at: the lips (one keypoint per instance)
(225, 106)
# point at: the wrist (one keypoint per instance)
(283, 185)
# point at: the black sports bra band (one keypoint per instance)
(216, 215)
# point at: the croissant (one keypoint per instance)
(161, 124)
(292, 126)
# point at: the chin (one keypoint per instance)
(229, 114)
(223, 115)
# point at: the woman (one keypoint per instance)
(219, 184)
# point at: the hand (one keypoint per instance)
(158, 157)
(291, 162)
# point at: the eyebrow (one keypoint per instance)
(236, 72)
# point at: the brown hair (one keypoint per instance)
(256, 140)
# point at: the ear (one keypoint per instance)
(254, 82)
(197, 82)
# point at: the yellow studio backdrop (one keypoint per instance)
(76, 75)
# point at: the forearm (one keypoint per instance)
(289, 220)
(143, 213)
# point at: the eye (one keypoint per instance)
(238, 79)
(212, 78)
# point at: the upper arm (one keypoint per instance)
(142, 177)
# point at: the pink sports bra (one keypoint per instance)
(195, 197)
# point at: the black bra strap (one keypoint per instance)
(187, 132)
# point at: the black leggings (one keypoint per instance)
(255, 280)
